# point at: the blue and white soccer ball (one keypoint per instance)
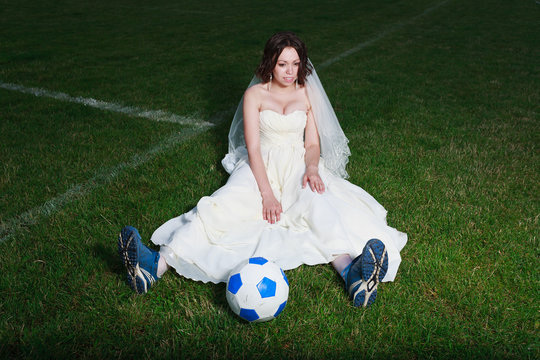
(257, 290)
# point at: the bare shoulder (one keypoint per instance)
(255, 92)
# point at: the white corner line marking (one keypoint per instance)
(9, 227)
(379, 36)
(155, 115)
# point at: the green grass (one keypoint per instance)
(442, 117)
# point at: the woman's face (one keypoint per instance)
(286, 70)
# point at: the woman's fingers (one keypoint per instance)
(277, 214)
(320, 187)
(272, 214)
(316, 184)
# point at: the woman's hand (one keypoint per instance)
(312, 177)
(271, 208)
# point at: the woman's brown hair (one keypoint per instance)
(272, 50)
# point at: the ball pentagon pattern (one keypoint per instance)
(267, 287)
(257, 290)
(235, 282)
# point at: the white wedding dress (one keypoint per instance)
(227, 227)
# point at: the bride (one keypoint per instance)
(286, 198)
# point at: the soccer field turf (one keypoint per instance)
(117, 112)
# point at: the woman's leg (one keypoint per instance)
(342, 264)
(162, 267)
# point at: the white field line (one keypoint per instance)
(379, 36)
(155, 115)
(9, 227)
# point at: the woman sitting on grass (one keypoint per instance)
(284, 137)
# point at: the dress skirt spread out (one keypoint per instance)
(206, 243)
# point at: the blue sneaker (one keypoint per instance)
(140, 261)
(365, 273)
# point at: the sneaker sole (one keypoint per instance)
(129, 253)
(364, 298)
(374, 267)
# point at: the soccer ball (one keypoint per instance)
(257, 290)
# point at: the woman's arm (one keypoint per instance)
(271, 206)
(313, 153)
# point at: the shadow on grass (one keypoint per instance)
(109, 258)
(219, 298)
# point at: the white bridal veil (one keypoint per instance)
(333, 142)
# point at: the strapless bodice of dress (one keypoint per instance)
(282, 129)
